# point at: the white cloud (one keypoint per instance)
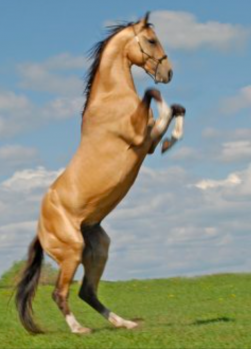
(182, 30)
(210, 132)
(28, 180)
(235, 151)
(243, 191)
(231, 180)
(44, 76)
(14, 241)
(236, 187)
(16, 231)
(240, 101)
(186, 153)
(15, 111)
(226, 145)
(62, 108)
(36, 78)
(20, 198)
(66, 61)
(15, 152)
(19, 114)
(239, 134)
(164, 227)
(13, 156)
(9, 101)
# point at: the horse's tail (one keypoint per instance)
(27, 286)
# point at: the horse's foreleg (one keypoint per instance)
(95, 256)
(161, 124)
(135, 128)
(166, 114)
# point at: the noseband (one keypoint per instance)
(158, 60)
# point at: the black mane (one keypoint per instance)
(95, 55)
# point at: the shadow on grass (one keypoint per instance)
(212, 321)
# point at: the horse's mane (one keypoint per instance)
(95, 55)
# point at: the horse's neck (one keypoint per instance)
(114, 73)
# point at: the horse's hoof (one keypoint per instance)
(130, 325)
(82, 330)
(165, 146)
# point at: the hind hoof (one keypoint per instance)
(82, 330)
(130, 325)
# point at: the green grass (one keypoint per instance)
(206, 312)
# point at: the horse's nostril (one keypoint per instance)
(170, 74)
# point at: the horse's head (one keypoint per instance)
(146, 51)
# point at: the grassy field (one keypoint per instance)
(206, 312)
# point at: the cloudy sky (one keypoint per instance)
(189, 211)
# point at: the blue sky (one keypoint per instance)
(197, 218)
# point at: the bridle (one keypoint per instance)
(158, 60)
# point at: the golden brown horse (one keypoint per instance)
(118, 131)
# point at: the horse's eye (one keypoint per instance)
(152, 41)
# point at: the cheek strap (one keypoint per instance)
(157, 60)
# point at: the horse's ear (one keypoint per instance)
(145, 19)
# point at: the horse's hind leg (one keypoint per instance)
(94, 259)
(60, 295)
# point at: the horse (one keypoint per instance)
(118, 131)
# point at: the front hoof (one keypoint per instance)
(178, 110)
(165, 145)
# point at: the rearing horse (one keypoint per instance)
(118, 131)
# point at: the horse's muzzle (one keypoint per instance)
(164, 78)
(170, 75)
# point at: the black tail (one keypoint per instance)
(27, 286)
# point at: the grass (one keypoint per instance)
(206, 312)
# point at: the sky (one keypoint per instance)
(189, 211)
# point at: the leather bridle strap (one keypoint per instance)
(158, 60)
